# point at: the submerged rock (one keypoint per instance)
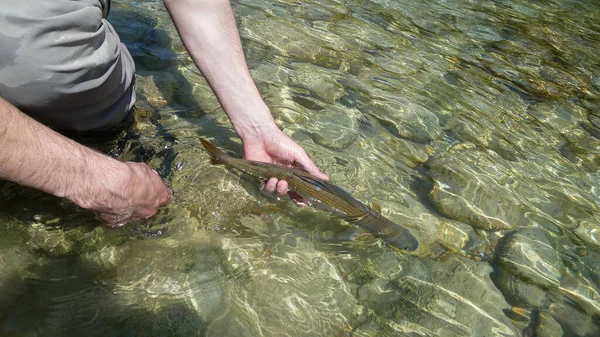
(589, 231)
(572, 321)
(519, 292)
(286, 287)
(103, 260)
(529, 255)
(405, 119)
(482, 189)
(547, 326)
(14, 265)
(485, 212)
(441, 296)
(55, 242)
(335, 130)
(319, 82)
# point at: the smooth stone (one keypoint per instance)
(14, 266)
(482, 213)
(547, 326)
(473, 186)
(589, 231)
(470, 131)
(318, 81)
(405, 120)
(573, 321)
(482, 32)
(103, 260)
(335, 130)
(529, 255)
(56, 242)
(518, 292)
(454, 297)
(595, 120)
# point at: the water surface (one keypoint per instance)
(474, 124)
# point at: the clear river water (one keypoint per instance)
(475, 125)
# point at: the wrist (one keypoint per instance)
(253, 123)
(98, 182)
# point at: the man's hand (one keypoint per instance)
(137, 194)
(209, 32)
(33, 155)
(274, 146)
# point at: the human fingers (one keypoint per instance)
(304, 161)
(111, 219)
(148, 191)
(271, 185)
(162, 192)
(282, 187)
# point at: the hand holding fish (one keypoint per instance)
(276, 147)
(321, 195)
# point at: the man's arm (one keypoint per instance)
(209, 32)
(33, 155)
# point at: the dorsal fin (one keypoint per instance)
(376, 206)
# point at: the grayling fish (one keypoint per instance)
(322, 195)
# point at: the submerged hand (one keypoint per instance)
(274, 146)
(131, 193)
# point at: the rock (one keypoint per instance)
(441, 296)
(476, 214)
(103, 260)
(55, 242)
(589, 231)
(519, 292)
(402, 150)
(547, 326)
(529, 255)
(298, 44)
(286, 286)
(572, 321)
(469, 187)
(335, 130)
(470, 131)
(406, 120)
(319, 82)
(13, 269)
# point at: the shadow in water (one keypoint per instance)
(151, 50)
(62, 300)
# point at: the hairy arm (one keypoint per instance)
(209, 32)
(33, 155)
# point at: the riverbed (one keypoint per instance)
(475, 125)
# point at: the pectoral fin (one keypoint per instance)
(298, 200)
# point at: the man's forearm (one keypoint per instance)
(33, 155)
(209, 33)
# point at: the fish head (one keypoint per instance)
(398, 237)
(404, 242)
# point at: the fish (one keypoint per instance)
(321, 195)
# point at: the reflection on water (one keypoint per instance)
(475, 124)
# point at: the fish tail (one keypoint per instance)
(217, 156)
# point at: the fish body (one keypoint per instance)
(322, 195)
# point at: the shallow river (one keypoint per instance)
(475, 124)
